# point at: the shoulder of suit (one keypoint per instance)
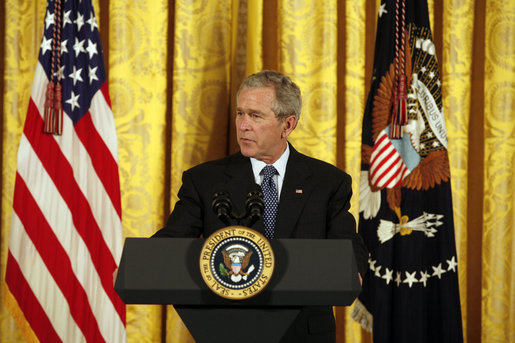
(317, 164)
(220, 163)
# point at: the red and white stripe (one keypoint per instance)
(387, 169)
(66, 233)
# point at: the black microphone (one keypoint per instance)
(254, 205)
(222, 206)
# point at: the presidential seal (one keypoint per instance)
(236, 262)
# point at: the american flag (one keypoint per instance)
(66, 235)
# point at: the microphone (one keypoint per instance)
(222, 206)
(254, 205)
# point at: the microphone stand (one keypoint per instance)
(254, 206)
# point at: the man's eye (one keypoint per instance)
(255, 115)
(239, 113)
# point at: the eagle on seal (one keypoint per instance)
(236, 262)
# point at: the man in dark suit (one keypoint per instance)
(306, 197)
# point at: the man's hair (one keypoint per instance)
(288, 100)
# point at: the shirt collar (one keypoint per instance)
(280, 164)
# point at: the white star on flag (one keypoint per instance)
(75, 75)
(382, 10)
(388, 275)
(372, 264)
(92, 73)
(46, 45)
(92, 21)
(438, 271)
(66, 18)
(423, 277)
(73, 101)
(78, 47)
(79, 21)
(452, 264)
(64, 47)
(410, 278)
(92, 48)
(60, 73)
(49, 20)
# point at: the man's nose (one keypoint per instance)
(243, 122)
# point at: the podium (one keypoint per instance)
(308, 272)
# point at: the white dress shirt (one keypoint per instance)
(280, 166)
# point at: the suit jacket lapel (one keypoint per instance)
(295, 191)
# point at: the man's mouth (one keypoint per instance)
(246, 140)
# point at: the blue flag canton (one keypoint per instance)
(81, 67)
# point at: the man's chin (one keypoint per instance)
(246, 152)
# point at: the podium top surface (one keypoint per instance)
(308, 272)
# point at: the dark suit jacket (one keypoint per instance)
(314, 203)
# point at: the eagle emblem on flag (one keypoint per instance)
(418, 159)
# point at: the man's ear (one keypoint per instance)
(289, 125)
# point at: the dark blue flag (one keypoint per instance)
(410, 293)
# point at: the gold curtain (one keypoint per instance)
(174, 68)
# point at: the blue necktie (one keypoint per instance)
(271, 198)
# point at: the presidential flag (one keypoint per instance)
(410, 292)
(66, 237)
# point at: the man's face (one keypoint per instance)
(260, 133)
